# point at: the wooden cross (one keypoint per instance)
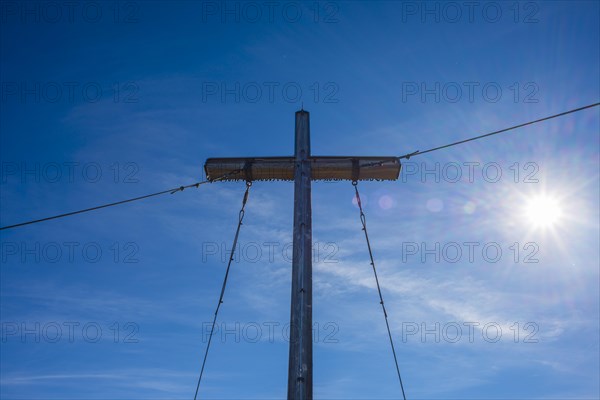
(302, 168)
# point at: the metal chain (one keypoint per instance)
(235, 239)
(363, 220)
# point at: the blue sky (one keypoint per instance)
(491, 293)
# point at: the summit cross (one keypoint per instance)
(302, 169)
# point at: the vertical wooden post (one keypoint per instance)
(300, 374)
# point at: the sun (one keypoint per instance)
(543, 211)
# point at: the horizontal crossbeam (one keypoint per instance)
(322, 168)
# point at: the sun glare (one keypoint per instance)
(543, 211)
